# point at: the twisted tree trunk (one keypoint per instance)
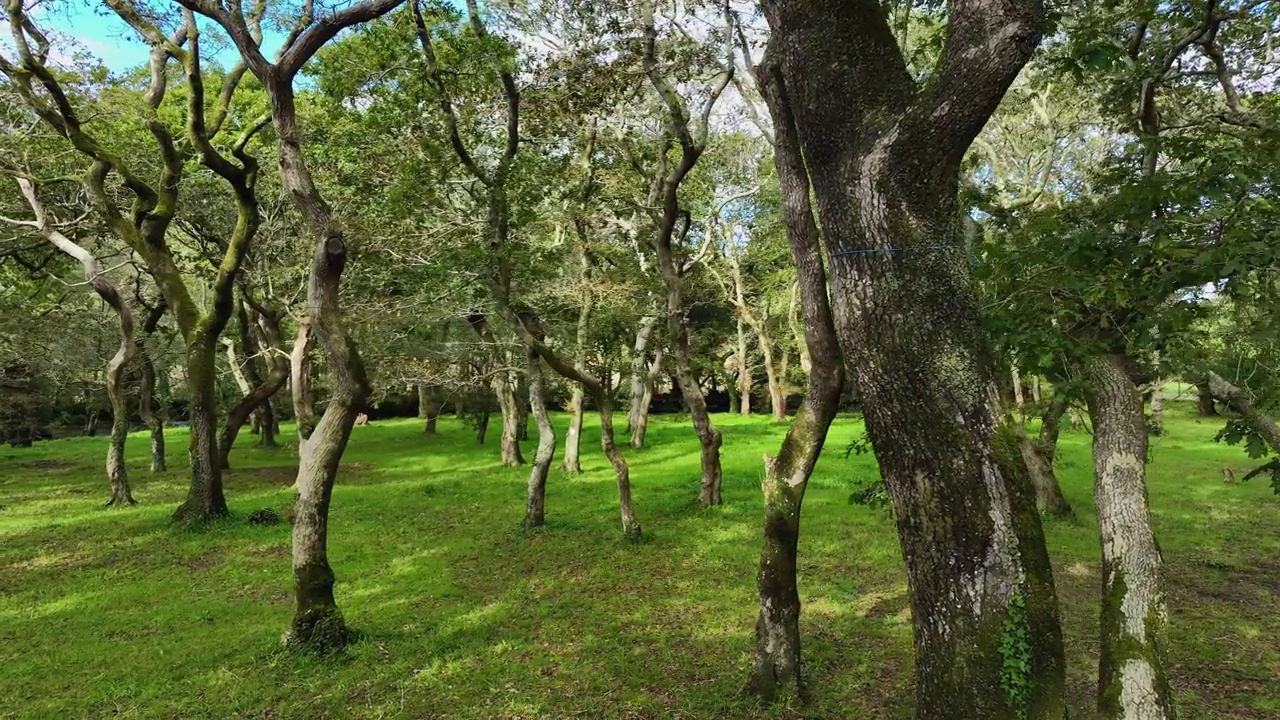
(744, 371)
(637, 417)
(260, 394)
(535, 510)
(1039, 455)
(776, 666)
(1131, 676)
(884, 155)
(205, 500)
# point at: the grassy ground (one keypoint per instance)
(112, 612)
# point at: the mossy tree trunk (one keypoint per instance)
(884, 155)
(535, 509)
(776, 665)
(1131, 674)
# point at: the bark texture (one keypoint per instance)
(884, 156)
(535, 509)
(1238, 401)
(304, 407)
(261, 389)
(1039, 455)
(151, 411)
(776, 665)
(1131, 676)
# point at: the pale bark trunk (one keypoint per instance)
(639, 374)
(424, 401)
(535, 510)
(117, 474)
(744, 371)
(573, 440)
(262, 390)
(641, 427)
(1131, 676)
(304, 407)
(777, 396)
(1019, 399)
(1238, 401)
(797, 330)
(151, 414)
(884, 154)
(1039, 455)
(1157, 408)
(776, 664)
(509, 406)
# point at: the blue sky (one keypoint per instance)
(97, 30)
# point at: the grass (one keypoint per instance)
(462, 615)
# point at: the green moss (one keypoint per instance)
(1016, 678)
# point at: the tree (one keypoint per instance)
(317, 622)
(884, 154)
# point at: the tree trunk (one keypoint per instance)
(304, 407)
(639, 373)
(91, 424)
(806, 360)
(1131, 677)
(262, 392)
(270, 423)
(776, 665)
(424, 401)
(744, 371)
(884, 155)
(1238, 401)
(1039, 455)
(535, 510)
(482, 427)
(1204, 400)
(1156, 424)
(641, 426)
(205, 500)
(151, 415)
(777, 396)
(573, 440)
(1019, 398)
(510, 408)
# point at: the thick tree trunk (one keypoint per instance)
(510, 408)
(1238, 401)
(304, 405)
(776, 665)
(1039, 455)
(424, 401)
(1131, 677)
(884, 155)
(744, 371)
(1204, 400)
(535, 510)
(205, 500)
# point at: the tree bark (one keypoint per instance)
(482, 427)
(261, 393)
(535, 509)
(117, 472)
(744, 371)
(1204, 400)
(639, 372)
(304, 408)
(1156, 423)
(1131, 676)
(1039, 455)
(777, 396)
(503, 391)
(152, 416)
(884, 155)
(205, 500)
(1238, 401)
(776, 665)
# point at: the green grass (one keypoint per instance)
(462, 615)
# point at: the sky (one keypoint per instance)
(79, 25)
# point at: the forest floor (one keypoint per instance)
(463, 615)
